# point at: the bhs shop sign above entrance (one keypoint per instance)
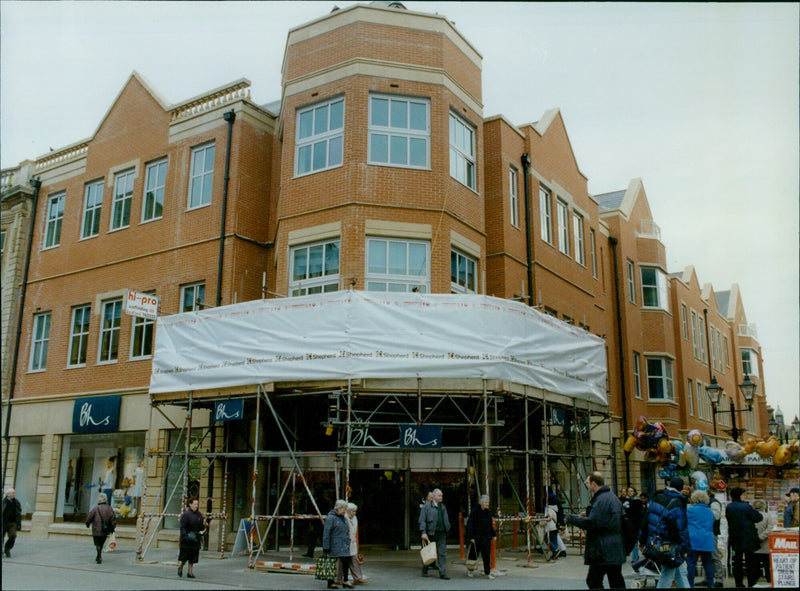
(98, 414)
(420, 436)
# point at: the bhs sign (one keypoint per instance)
(420, 436)
(229, 410)
(98, 414)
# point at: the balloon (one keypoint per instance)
(710, 454)
(700, 480)
(630, 443)
(695, 437)
(692, 455)
(783, 456)
(664, 446)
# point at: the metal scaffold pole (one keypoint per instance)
(253, 523)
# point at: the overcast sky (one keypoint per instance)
(699, 100)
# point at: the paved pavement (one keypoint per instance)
(67, 564)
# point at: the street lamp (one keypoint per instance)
(714, 390)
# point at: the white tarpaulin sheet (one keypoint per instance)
(356, 334)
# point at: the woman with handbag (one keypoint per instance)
(103, 523)
(336, 544)
(191, 538)
(480, 533)
(356, 559)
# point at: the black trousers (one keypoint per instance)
(594, 579)
(751, 566)
(11, 532)
(484, 548)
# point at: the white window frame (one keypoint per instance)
(513, 196)
(562, 217)
(54, 220)
(702, 330)
(110, 328)
(577, 230)
(546, 214)
(122, 199)
(40, 340)
(684, 322)
(664, 378)
(460, 265)
(462, 152)
(397, 132)
(396, 282)
(155, 182)
(328, 279)
(594, 253)
(201, 178)
(631, 282)
(695, 336)
(92, 207)
(637, 376)
(79, 335)
(725, 351)
(701, 404)
(750, 363)
(195, 290)
(690, 396)
(659, 289)
(145, 327)
(322, 140)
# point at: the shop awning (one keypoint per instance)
(354, 334)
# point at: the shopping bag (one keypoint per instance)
(428, 552)
(111, 543)
(472, 557)
(326, 568)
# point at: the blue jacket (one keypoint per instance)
(603, 525)
(742, 519)
(336, 535)
(701, 527)
(788, 513)
(673, 527)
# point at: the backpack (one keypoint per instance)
(665, 553)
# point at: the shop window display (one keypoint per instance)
(95, 463)
(27, 475)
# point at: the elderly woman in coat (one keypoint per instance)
(700, 520)
(605, 552)
(100, 516)
(336, 541)
(355, 565)
(763, 528)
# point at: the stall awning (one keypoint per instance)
(353, 334)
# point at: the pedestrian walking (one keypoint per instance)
(12, 520)
(480, 532)
(791, 515)
(634, 509)
(604, 552)
(103, 523)
(743, 537)
(434, 523)
(665, 524)
(763, 528)
(336, 542)
(700, 521)
(551, 525)
(193, 526)
(717, 510)
(355, 562)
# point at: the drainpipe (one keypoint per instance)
(526, 162)
(36, 184)
(613, 242)
(230, 117)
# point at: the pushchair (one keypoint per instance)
(647, 573)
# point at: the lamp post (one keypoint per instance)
(714, 390)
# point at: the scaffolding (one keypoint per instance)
(476, 409)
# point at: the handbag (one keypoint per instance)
(472, 557)
(361, 559)
(192, 539)
(326, 568)
(428, 552)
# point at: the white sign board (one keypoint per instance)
(143, 305)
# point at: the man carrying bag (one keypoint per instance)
(664, 537)
(434, 524)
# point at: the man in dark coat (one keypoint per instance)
(604, 553)
(666, 522)
(12, 519)
(435, 523)
(743, 537)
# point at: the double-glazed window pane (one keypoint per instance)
(121, 207)
(397, 265)
(142, 338)
(462, 273)
(399, 131)
(55, 216)
(192, 296)
(79, 337)
(109, 330)
(201, 176)
(155, 182)
(315, 268)
(462, 151)
(320, 137)
(40, 341)
(92, 202)
(659, 379)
